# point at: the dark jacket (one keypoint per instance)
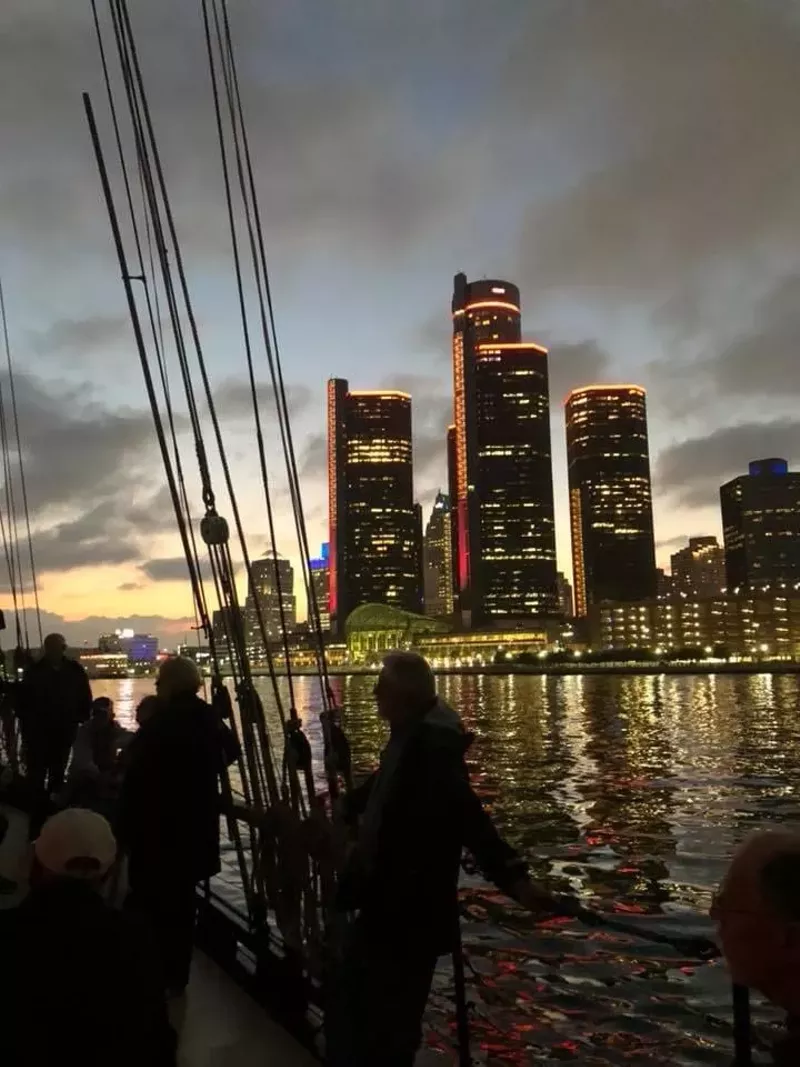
(53, 700)
(406, 888)
(79, 984)
(169, 808)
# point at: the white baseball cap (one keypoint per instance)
(76, 843)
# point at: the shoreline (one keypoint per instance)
(557, 670)
(565, 669)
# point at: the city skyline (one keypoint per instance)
(385, 164)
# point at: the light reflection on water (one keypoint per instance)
(626, 790)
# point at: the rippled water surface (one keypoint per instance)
(629, 791)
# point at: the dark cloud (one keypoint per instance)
(573, 365)
(88, 472)
(129, 587)
(233, 399)
(678, 173)
(81, 337)
(170, 631)
(77, 451)
(175, 569)
(692, 472)
(313, 462)
(315, 135)
(172, 569)
(762, 360)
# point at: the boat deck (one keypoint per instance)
(219, 1025)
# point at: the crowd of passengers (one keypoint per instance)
(125, 825)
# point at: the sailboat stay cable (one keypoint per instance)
(260, 447)
(149, 385)
(14, 554)
(336, 747)
(337, 750)
(21, 462)
(163, 201)
(158, 201)
(154, 318)
(255, 229)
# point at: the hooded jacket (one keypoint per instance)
(418, 813)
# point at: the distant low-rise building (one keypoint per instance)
(699, 569)
(141, 649)
(748, 625)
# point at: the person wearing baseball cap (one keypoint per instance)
(75, 843)
(80, 981)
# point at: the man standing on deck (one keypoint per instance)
(54, 699)
(416, 815)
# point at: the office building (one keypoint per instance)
(750, 625)
(611, 509)
(374, 533)
(109, 643)
(761, 526)
(503, 502)
(438, 559)
(224, 623)
(664, 584)
(565, 602)
(270, 603)
(452, 494)
(320, 580)
(141, 649)
(699, 569)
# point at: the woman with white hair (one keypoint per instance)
(170, 810)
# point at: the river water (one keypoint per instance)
(630, 792)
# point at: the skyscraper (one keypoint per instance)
(565, 601)
(611, 508)
(761, 526)
(452, 494)
(271, 587)
(503, 503)
(438, 559)
(374, 538)
(699, 569)
(320, 579)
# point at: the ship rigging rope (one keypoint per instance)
(287, 871)
(157, 201)
(22, 481)
(223, 57)
(249, 776)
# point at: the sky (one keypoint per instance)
(632, 166)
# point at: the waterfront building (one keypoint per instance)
(500, 467)
(375, 550)
(270, 594)
(102, 662)
(224, 622)
(664, 584)
(374, 629)
(141, 649)
(750, 625)
(611, 509)
(565, 601)
(761, 527)
(320, 579)
(438, 559)
(109, 643)
(699, 569)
